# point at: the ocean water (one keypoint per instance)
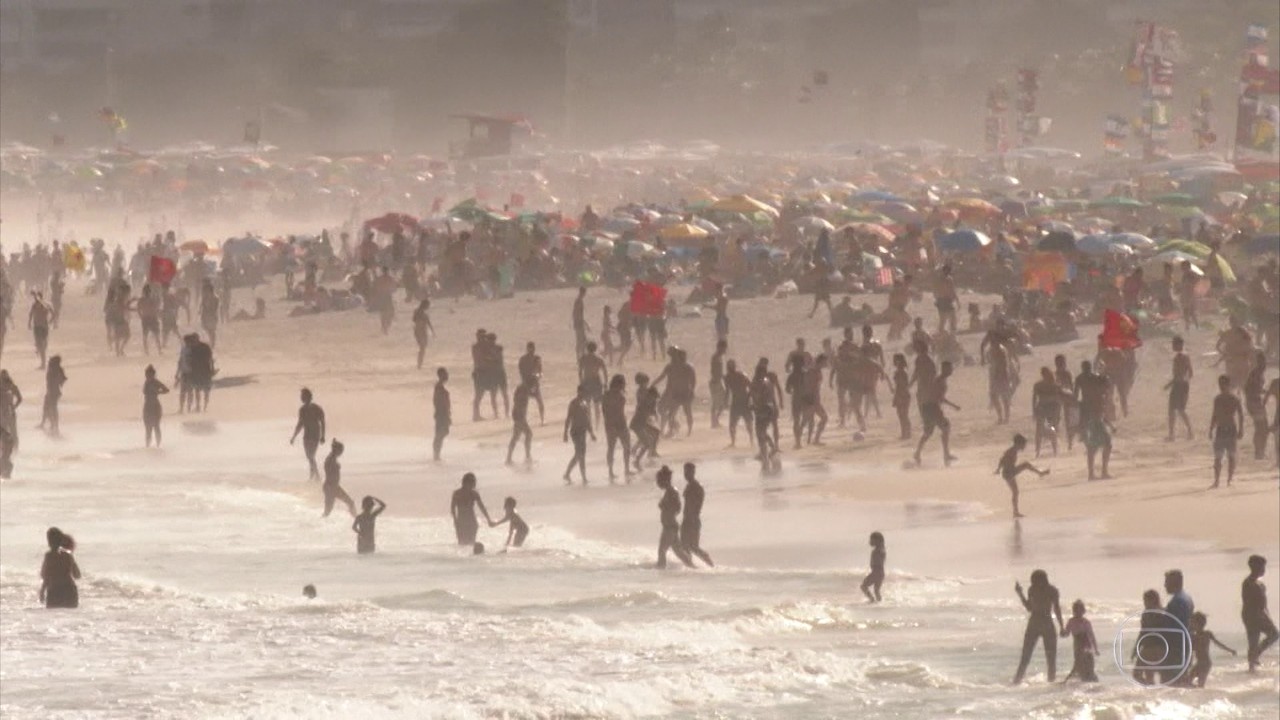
(194, 558)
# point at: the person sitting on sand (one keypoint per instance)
(1084, 646)
(463, 510)
(875, 579)
(519, 529)
(1009, 468)
(365, 524)
(333, 480)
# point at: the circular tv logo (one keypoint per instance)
(1152, 647)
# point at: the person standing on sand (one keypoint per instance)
(1090, 395)
(1039, 600)
(577, 424)
(933, 397)
(463, 510)
(716, 385)
(59, 572)
(1179, 388)
(902, 395)
(149, 313)
(738, 387)
(1254, 392)
(38, 320)
(1226, 427)
(1046, 409)
(54, 379)
(333, 480)
(614, 410)
(520, 424)
(152, 389)
(1259, 629)
(669, 512)
(691, 521)
(530, 367)
(765, 402)
(443, 412)
(1009, 469)
(642, 420)
(422, 328)
(311, 424)
(593, 375)
(606, 334)
(209, 311)
(580, 328)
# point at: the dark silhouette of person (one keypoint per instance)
(520, 424)
(311, 424)
(152, 389)
(333, 480)
(443, 412)
(54, 378)
(59, 572)
(1040, 600)
(1226, 426)
(875, 578)
(577, 425)
(1259, 629)
(613, 408)
(1180, 606)
(366, 523)
(463, 510)
(669, 513)
(519, 530)
(422, 328)
(691, 522)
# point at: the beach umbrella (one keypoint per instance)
(1264, 245)
(973, 205)
(963, 241)
(637, 249)
(705, 224)
(1116, 201)
(198, 247)
(1176, 257)
(1190, 247)
(866, 196)
(682, 231)
(1135, 240)
(1057, 241)
(1059, 226)
(813, 223)
(392, 222)
(860, 229)
(1103, 244)
(744, 204)
(1179, 199)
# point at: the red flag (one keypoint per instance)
(162, 271)
(1119, 331)
(648, 299)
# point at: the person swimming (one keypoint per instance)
(366, 523)
(59, 572)
(463, 510)
(519, 529)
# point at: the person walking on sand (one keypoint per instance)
(443, 412)
(613, 408)
(520, 424)
(875, 579)
(719, 396)
(1040, 600)
(54, 379)
(333, 480)
(593, 375)
(1046, 409)
(738, 389)
(933, 397)
(59, 572)
(1090, 395)
(1259, 629)
(691, 522)
(152, 389)
(1179, 388)
(577, 425)
(1254, 392)
(530, 367)
(365, 524)
(463, 509)
(422, 328)
(669, 512)
(311, 424)
(1226, 427)
(1009, 469)
(38, 320)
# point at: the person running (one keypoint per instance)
(54, 379)
(530, 367)
(580, 328)
(463, 509)
(1009, 469)
(518, 528)
(520, 424)
(365, 524)
(577, 425)
(875, 579)
(1226, 427)
(592, 376)
(1091, 390)
(1259, 629)
(311, 424)
(59, 572)
(1084, 645)
(38, 321)
(719, 396)
(333, 480)
(152, 389)
(1046, 409)
(1179, 388)
(613, 408)
(443, 412)
(1039, 600)
(669, 513)
(738, 388)
(422, 328)
(691, 522)
(1200, 640)
(934, 396)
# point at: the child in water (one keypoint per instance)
(1083, 643)
(366, 522)
(1200, 639)
(519, 529)
(875, 579)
